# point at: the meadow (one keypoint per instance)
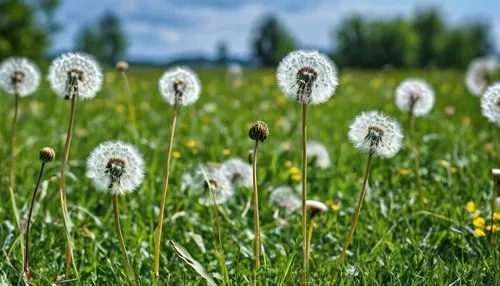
(397, 242)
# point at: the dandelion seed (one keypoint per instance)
(205, 179)
(238, 172)
(479, 72)
(19, 76)
(75, 75)
(490, 104)
(415, 96)
(286, 198)
(317, 155)
(307, 77)
(180, 86)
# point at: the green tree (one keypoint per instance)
(26, 27)
(271, 41)
(222, 53)
(430, 27)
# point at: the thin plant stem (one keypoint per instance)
(131, 109)
(304, 193)
(309, 236)
(62, 190)
(496, 190)
(26, 264)
(166, 179)
(221, 255)
(256, 207)
(116, 212)
(355, 219)
(414, 148)
(12, 174)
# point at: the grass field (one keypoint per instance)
(396, 241)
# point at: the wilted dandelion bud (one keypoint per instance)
(376, 134)
(490, 104)
(238, 172)
(75, 74)
(180, 86)
(258, 131)
(19, 75)
(415, 96)
(47, 154)
(315, 207)
(307, 77)
(116, 167)
(122, 66)
(479, 73)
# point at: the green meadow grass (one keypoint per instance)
(396, 242)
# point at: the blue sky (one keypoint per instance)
(161, 29)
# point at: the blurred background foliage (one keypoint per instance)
(425, 40)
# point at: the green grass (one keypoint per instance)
(396, 243)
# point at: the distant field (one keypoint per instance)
(396, 243)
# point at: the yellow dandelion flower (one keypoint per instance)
(496, 216)
(404, 172)
(192, 144)
(294, 170)
(479, 232)
(333, 205)
(454, 170)
(479, 222)
(296, 177)
(226, 152)
(444, 163)
(176, 154)
(496, 228)
(470, 206)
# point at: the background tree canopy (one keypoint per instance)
(271, 41)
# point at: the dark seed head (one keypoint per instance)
(259, 131)
(47, 154)
(17, 78)
(115, 168)
(122, 66)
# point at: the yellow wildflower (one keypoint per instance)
(444, 163)
(192, 144)
(479, 232)
(226, 152)
(333, 205)
(479, 222)
(294, 171)
(404, 172)
(296, 177)
(470, 206)
(176, 154)
(496, 216)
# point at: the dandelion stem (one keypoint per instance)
(62, 189)
(26, 266)
(355, 218)
(131, 109)
(304, 192)
(221, 255)
(309, 236)
(116, 212)
(496, 190)
(414, 149)
(256, 207)
(166, 179)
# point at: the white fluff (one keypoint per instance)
(490, 104)
(191, 86)
(30, 76)
(416, 96)
(238, 172)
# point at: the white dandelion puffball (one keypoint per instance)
(316, 206)
(307, 77)
(116, 167)
(415, 96)
(286, 198)
(19, 75)
(180, 85)
(490, 104)
(206, 179)
(376, 133)
(75, 74)
(238, 172)
(478, 74)
(318, 155)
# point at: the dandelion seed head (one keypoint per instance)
(286, 198)
(415, 96)
(180, 85)
(259, 131)
(19, 75)
(122, 66)
(318, 155)
(75, 74)
(307, 77)
(490, 104)
(479, 72)
(116, 167)
(238, 172)
(205, 179)
(375, 133)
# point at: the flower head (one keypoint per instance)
(415, 96)
(307, 77)
(116, 167)
(75, 74)
(238, 172)
(479, 73)
(47, 154)
(286, 198)
(315, 207)
(490, 104)
(318, 155)
(122, 66)
(180, 85)
(19, 75)
(206, 179)
(375, 133)
(259, 131)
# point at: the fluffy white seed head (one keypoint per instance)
(415, 96)
(238, 172)
(479, 73)
(19, 75)
(375, 133)
(490, 104)
(307, 77)
(316, 206)
(285, 198)
(180, 85)
(205, 179)
(115, 167)
(75, 74)
(318, 155)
